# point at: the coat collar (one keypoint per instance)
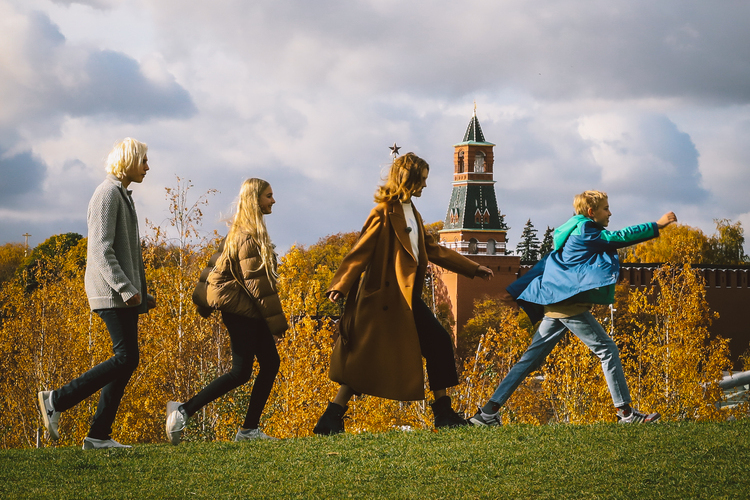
(117, 182)
(398, 222)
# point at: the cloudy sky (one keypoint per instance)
(649, 101)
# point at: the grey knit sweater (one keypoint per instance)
(114, 264)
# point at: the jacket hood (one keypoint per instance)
(563, 232)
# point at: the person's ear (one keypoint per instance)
(589, 212)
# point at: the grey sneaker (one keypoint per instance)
(98, 444)
(49, 415)
(248, 434)
(637, 417)
(484, 420)
(176, 422)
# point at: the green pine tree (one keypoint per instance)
(528, 248)
(548, 243)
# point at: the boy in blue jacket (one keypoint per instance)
(580, 272)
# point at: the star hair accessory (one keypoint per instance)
(394, 150)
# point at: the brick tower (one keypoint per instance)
(474, 227)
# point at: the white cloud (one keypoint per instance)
(646, 101)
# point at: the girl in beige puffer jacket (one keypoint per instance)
(242, 286)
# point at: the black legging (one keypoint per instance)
(250, 338)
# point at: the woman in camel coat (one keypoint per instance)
(386, 328)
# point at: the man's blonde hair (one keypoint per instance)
(588, 199)
(126, 154)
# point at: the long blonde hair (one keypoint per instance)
(248, 222)
(404, 177)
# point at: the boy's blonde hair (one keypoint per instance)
(404, 178)
(126, 154)
(588, 199)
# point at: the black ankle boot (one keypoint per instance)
(444, 414)
(332, 421)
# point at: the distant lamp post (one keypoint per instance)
(26, 250)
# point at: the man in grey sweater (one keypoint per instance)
(116, 289)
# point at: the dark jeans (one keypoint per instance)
(437, 347)
(250, 338)
(111, 376)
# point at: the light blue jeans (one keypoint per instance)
(585, 327)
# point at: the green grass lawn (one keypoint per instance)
(686, 460)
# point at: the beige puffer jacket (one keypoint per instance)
(226, 294)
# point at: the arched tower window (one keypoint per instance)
(473, 246)
(479, 162)
(490, 247)
(460, 162)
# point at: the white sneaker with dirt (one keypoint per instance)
(50, 417)
(248, 434)
(99, 444)
(176, 422)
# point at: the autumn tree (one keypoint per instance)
(671, 362)
(727, 244)
(48, 336)
(185, 351)
(306, 272)
(11, 256)
(680, 243)
(57, 255)
(503, 333)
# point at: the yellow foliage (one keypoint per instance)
(504, 340)
(672, 365)
(11, 256)
(48, 336)
(677, 243)
(681, 244)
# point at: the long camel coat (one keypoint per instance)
(378, 350)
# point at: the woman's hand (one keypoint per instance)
(484, 272)
(334, 296)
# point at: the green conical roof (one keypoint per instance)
(474, 131)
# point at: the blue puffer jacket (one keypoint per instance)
(584, 265)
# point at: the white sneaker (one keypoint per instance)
(176, 422)
(98, 444)
(249, 434)
(50, 417)
(636, 417)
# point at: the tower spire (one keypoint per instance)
(473, 224)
